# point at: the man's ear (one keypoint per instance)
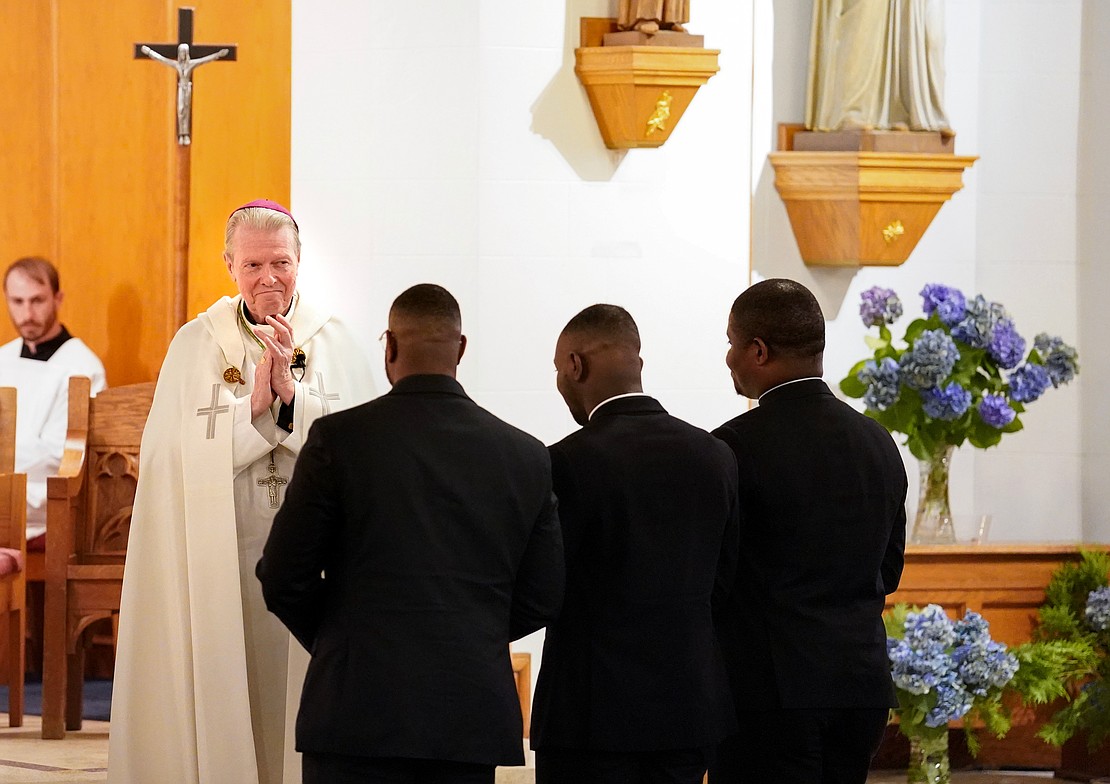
(762, 351)
(578, 369)
(390, 347)
(462, 348)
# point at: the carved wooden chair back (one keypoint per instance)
(13, 555)
(89, 508)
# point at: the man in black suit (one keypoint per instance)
(822, 495)
(632, 687)
(418, 537)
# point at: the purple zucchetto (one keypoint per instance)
(267, 204)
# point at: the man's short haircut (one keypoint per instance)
(611, 323)
(36, 268)
(260, 218)
(428, 302)
(784, 314)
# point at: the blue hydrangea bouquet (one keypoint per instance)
(963, 375)
(945, 670)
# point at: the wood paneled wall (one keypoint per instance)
(87, 157)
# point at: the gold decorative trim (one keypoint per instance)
(893, 231)
(658, 119)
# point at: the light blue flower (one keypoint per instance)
(946, 403)
(1097, 612)
(1060, 360)
(947, 302)
(995, 410)
(879, 306)
(976, 328)
(883, 384)
(1028, 383)
(1006, 347)
(930, 360)
(949, 665)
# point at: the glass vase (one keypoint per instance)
(929, 759)
(933, 522)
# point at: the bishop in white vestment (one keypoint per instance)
(200, 690)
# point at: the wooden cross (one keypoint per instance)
(272, 483)
(212, 412)
(183, 56)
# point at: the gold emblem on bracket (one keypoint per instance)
(658, 119)
(893, 231)
(233, 376)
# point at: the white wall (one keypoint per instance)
(1012, 95)
(1094, 267)
(449, 141)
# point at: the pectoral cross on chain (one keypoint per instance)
(273, 482)
(322, 393)
(212, 412)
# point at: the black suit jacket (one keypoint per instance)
(648, 506)
(418, 537)
(823, 492)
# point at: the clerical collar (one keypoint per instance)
(45, 350)
(791, 381)
(614, 397)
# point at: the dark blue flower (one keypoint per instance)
(995, 410)
(879, 306)
(930, 360)
(976, 328)
(882, 384)
(1007, 347)
(947, 403)
(1060, 360)
(946, 301)
(1028, 383)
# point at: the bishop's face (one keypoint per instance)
(263, 263)
(33, 307)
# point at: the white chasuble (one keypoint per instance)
(200, 693)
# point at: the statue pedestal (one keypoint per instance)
(639, 93)
(858, 207)
(874, 141)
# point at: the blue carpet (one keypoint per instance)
(97, 705)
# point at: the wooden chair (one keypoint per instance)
(88, 516)
(13, 542)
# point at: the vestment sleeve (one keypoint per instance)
(250, 440)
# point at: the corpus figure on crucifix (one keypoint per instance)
(200, 680)
(184, 67)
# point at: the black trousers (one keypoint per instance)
(348, 769)
(800, 747)
(575, 766)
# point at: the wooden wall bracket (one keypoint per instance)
(639, 93)
(852, 209)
